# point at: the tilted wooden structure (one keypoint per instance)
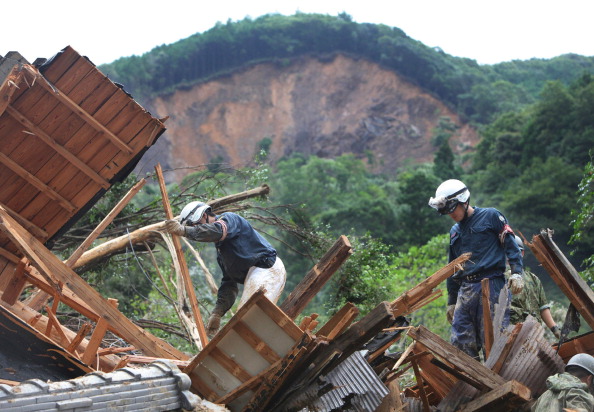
(67, 134)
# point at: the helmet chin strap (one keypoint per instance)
(466, 208)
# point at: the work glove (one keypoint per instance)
(450, 313)
(556, 331)
(516, 283)
(214, 323)
(174, 227)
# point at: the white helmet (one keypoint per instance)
(583, 360)
(192, 212)
(448, 195)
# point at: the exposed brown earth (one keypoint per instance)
(324, 107)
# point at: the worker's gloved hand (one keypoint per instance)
(516, 283)
(214, 323)
(450, 313)
(174, 227)
(556, 331)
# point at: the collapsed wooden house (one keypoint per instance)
(67, 133)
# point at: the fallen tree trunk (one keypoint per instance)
(150, 233)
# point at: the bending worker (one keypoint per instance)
(243, 255)
(485, 233)
(532, 300)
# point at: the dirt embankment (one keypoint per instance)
(320, 107)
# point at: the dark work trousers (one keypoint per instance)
(467, 327)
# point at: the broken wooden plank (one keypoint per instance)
(17, 283)
(564, 274)
(274, 380)
(482, 376)
(47, 262)
(38, 232)
(96, 338)
(185, 273)
(80, 335)
(487, 320)
(317, 277)
(421, 386)
(507, 397)
(409, 300)
(339, 322)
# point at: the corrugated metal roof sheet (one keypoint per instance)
(352, 383)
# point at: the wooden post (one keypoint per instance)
(185, 273)
(317, 277)
(487, 321)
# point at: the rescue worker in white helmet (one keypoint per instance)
(486, 234)
(243, 255)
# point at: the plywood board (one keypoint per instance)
(233, 357)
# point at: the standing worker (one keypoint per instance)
(485, 233)
(532, 300)
(243, 255)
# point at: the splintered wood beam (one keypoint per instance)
(564, 274)
(104, 223)
(317, 277)
(80, 335)
(97, 337)
(10, 256)
(483, 376)
(409, 300)
(34, 181)
(185, 273)
(38, 232)
(16, 284)
(60, 96)
(487, 321)
(339, 322)
(47, 262)
(507, 397)
(9, 86)
(421, 386)
(61, 150)
(53, 321)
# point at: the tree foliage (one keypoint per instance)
(479, 93)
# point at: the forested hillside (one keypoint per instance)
(478, 92)
(535, 121)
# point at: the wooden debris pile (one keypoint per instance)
(67, 134)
